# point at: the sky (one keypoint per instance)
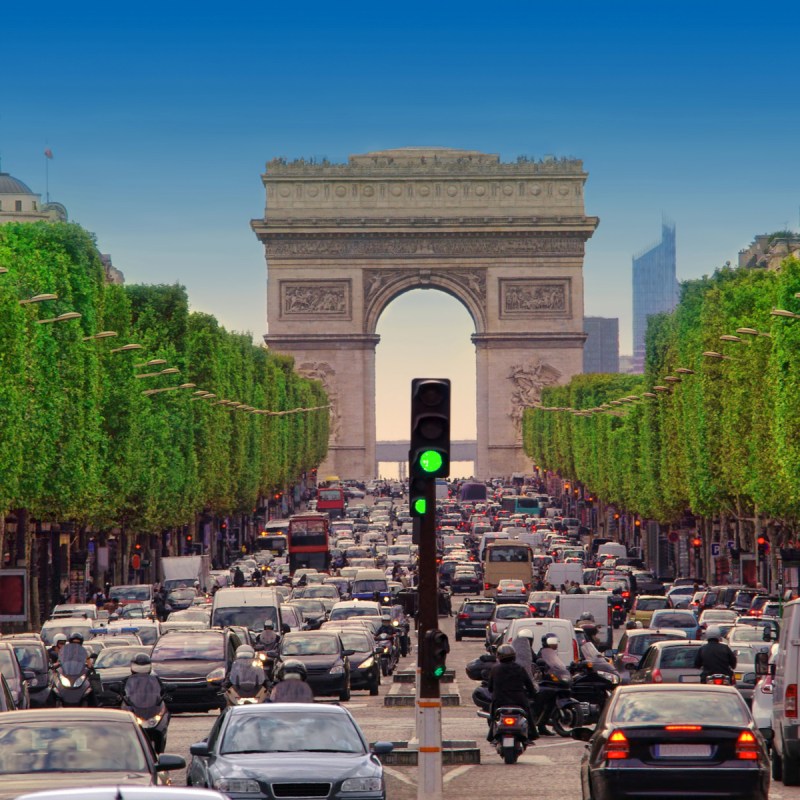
(162, 116)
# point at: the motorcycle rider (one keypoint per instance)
(247, 675)
(510, 684)
(270, 638)
(590, 651)
(292, 687)
(143, 690)
(386, 624)
(54, 653)
(715, 657)
(552, 663)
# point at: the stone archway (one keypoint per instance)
(505, 239)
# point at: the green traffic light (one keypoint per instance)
(438, 672)
(431, 461)
(419, 505)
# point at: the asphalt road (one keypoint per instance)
(548, 770)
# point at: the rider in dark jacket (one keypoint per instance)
(511, 685)
(714, 657)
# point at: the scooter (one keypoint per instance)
(153, 720)
(509, 732)
(386, 649)
(71, 685)
(719, 679)
(592, 688)
(561, 710)
(245, 694)
(618, 613)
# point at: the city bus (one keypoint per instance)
(505, 559)
(331, 500)
(521, 504)
(309, 542)
(273, 538)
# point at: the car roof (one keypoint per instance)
(674, 687)
(75, 714)
(675, 643)
(129, 793)
(662, 631)
(283, 708)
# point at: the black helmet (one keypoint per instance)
(294, 669)
(76, 637)
(506, 653)
(140, 664)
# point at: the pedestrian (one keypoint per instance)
(238, 577)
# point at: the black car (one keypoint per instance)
(311, 610)
(473, 616)
(465, 579)
(365, 666)
(15, 677)
(195, 663)
(325, 657)
(688, 741)
(286, 750)
(32, 657)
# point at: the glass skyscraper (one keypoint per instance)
(655, 287)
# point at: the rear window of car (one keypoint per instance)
(509, 612)
(638, 644)
(676, 707)
(651, 603)
(674, 620)
(678, 657)
(479, 608)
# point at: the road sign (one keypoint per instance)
(730, 543)
(136, 561)
(715, 549)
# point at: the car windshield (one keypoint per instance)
(651, 603)
(638, 644)
(291, 732)
(319, 591)
(661, 708)
(353, 611)
(678, 657)
(199, 647)
(118, 656)
(369, 586)
(310, 646)
(74, 746)
(136, 593)
(30, 656)
(359, 642)
(309, 606)
(251, 617)
(672, 620)
(512, 612)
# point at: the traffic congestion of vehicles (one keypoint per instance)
(301, 642)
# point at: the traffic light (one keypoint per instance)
(638, 523)
(188, 538)
(763, 545)
(436, 649)
(137, 547)
(429, 455)
(697, 542)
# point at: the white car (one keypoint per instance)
(762, 698)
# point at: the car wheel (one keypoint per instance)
(344, 695)
(791, 772)
(459, 637)
(777, 766)
(374, 688)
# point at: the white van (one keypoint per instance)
(563, 628)
(613, 549)
(571, 606)
(248, 607)
(785, 700)
(561, 574)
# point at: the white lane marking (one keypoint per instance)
(454, 773)
(398, 776)
(556, 744)
(541, 760)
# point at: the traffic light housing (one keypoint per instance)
(429, 455)
(697, 542)
(763, 545)
(437, 647)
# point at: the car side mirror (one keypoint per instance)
(348, 652)
(762, 663)
(167, 762)
(382, 748)
(199, 749)
(286, 628)
(29, 675)
(581, 734)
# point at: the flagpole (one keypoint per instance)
(47, 177)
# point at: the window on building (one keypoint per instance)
(34, 206)
(18, 205)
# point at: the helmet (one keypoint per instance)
(386, 616)
(140, 664)
(294, 669)
(506, 653)
(76, 637)
(526, 633)
(58, 639)
(713, 632)
(587, 616)
(246, 652)
(269, 625)
(550, 640)
(591, 630)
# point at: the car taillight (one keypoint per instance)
(747, 746)
(486, 586)
(463, 616)
(791, 700)
(626, 594)
(657, 676)
(617, 746)
(576, 656)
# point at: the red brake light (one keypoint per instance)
(626, 594)
(486, 586)
(576, 656)
(617, 746)
(683, 728)
(790, 701)
(657, 676)
(463, 616)
(509, 721)
(747, 746)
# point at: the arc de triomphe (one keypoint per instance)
(506, 239)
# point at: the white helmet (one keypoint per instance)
(58, 639)
(245, 652)
(140, 664)
(550, 640)
(713, 632)
(526, 633)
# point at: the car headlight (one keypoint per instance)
(611, 676)
(237, 785)
(362, 785)
(65, 681)
(216, 675)
(367, 663)
(337, 669)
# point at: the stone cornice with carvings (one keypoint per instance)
(564, 222)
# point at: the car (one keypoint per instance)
(680, 596)
(193, 614)
(6, 698)
(312, 611)
(683, 619)
(669, 662)
(465, 579)
(345, 609)
(744, 599)
(568, 649)
(472, 616)
(365, 668)
(501, 619)
(745, 671)
(33, 657)
(761, 707)
(327, 594)
(634, 643)
(510, 590)
(753, 631)
(79, 610)
(15, 676)
(645, 605)
(131, 793)
(113, 665)
(542, 602)
(758, 604)
(67, 626)
(687, 741)
(195, 664)
(74, 747)
(325, 657)
(289, 750)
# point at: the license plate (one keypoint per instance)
(683, 751)
(738, 675)
(689, 679)
(508, 741)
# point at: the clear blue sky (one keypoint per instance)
(161, 117)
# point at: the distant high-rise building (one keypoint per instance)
(655, 287)
(601, 349)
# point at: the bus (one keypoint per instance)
(521, 504)
(273, 538)
(472, 492)
(309, 542)
(505, 559)
(331, 500)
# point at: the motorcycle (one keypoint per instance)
(386, 649)
(561, 710)
(152, 716)
(71, 685)
(592, 688)
(719, 679)
(618, 613)
(509, 732)
(245, 694)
